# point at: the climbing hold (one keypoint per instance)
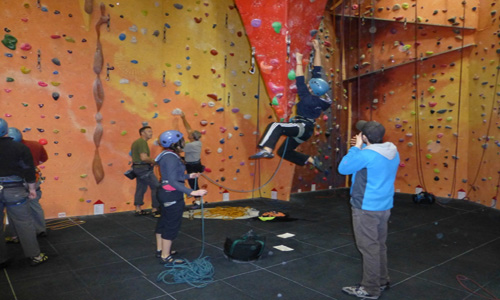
(431, 89)
(55, 95)
(291, 75)
(256, 23)
(25, 46)
(9, 41)
(277, 26)
(214, 52)
(10, 79)
(178, 6)
(42, 84)
(122, 36)
(56, 61)
(69, 39)
(25, 70)
(275, 101)
(198, 20)
(203, 122)
(235, 110)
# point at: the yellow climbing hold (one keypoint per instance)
(431, 89)
(25, 70)
(124, 132)
(83, 175)
(429, 52)
(83, 130)
(405, 5)
(55, 83)
(69, 39)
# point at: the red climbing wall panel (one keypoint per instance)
(277, 29)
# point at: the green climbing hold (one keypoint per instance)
(431, 89)
(436, 170)
(291, 75)
(10, 79)
(9, 41)
(428, 156)
(275, 101)
(277, 27)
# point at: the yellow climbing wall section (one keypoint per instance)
(428, 70)
(158, 56)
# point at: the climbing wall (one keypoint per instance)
(428, 71)
(158, 57)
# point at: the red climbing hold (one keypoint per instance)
(213, 96)
(214, 52)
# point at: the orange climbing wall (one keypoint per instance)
(428, 71)
(201, 47)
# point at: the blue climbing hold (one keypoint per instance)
(122, 36)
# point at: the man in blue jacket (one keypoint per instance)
(373, 165)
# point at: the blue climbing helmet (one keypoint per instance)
(15, 134)
(319, 86)
(4, 127)
(170, 137)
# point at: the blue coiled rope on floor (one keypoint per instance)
(198, 273)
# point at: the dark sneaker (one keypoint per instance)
(358, 291)
(38, 260)
(262, 154)
(318, 164)
(12, 240)
(42, 234)
(6, 263)
(386, 286)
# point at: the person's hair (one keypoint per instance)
(196, 135)
(177, 146)
(143, 128)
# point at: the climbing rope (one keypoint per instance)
(462, 279)
(420, 172)
(198, 273)
(254, 189)
(454, 179)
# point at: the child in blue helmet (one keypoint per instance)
(171, 193)
(313, 101)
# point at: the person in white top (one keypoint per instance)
(192, 152)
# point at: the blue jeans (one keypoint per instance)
(145, 177)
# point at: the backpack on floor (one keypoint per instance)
(424, 198)
(247, 247)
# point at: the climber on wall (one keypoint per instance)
(192, 152)
(313, 100)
